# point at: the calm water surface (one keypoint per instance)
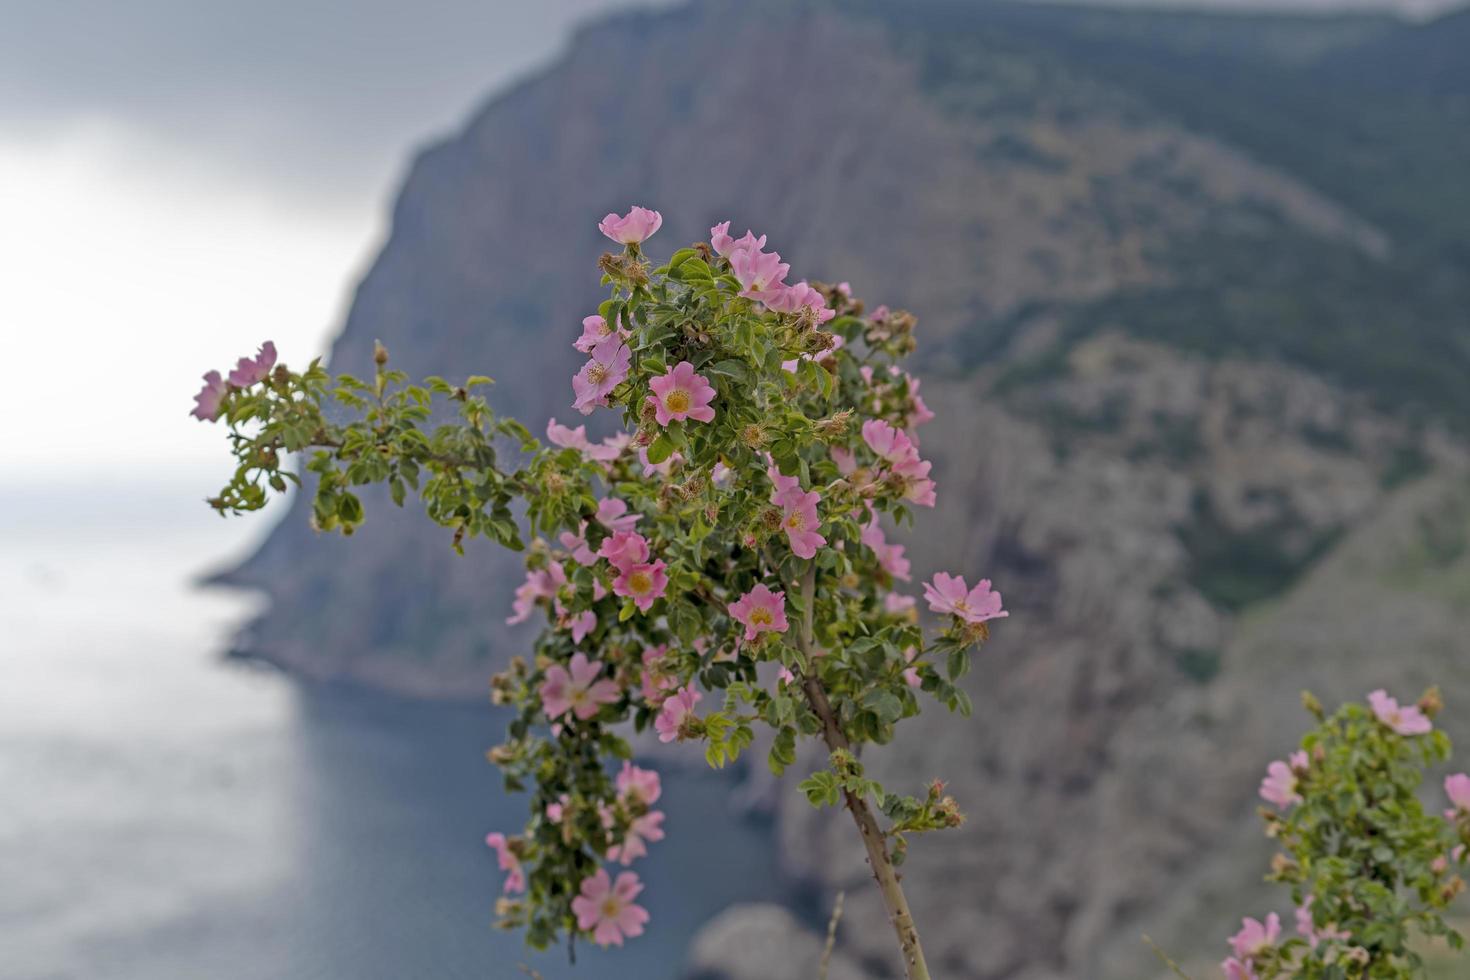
(163, 814)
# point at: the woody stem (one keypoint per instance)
(895, 903)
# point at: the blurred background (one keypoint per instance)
(1194, 298)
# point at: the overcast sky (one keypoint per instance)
(182, 179)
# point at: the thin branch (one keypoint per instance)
(831, 936)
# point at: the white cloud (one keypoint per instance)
(127, 273)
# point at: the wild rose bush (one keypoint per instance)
(720, 564)
(1370, 869)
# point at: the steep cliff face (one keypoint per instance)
(1186, 408)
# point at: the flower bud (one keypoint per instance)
(1430, 702)
(380, 353)
(1313, 706)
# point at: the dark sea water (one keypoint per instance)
(164, 814)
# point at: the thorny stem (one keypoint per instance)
(894, 901)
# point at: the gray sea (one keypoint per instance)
(164, 813)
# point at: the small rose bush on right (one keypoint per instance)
(1371, 868)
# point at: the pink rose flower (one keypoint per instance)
(655, 684)
(1237, 970)
(662, 469)
(761, 274)
(624, 549)
(845, 459)
(638, 786)
(568, 438)
(681, 394)
(644, 583)
(911, 674)
(648, 827)
(1404, 721)
(578, 691)
(890, 556)
(799, 520)
(1309, 930)
(919, 413)
(1255, 938)
(636, 226)
(947, 593)
(897, 603)
(250, 370)
(675, 709)
(207, 402)
(599, 376)
(557, 810)
(612, 513)
(917, 487)
(594, 331)
(606, 909)
(580, 624)
(515, 876)
(792, 299)
(582, 552)
(892, 445)
(778, 479)
(541, 583)
(1279, 786)
(1457, 788)
(761, 611)
(723, 244)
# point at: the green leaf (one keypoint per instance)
(661, 449)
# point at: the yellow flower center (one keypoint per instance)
(794, 522)
(610, 908)
(761, 617)
(596, 372)
(640, 582)
(677, 400)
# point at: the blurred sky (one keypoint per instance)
(182, 179)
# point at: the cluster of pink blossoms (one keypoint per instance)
(604, 906)
(577, 691)
(897, 449)
(762, 275)
(1256, 938)
(1282, 788)
(248, 371)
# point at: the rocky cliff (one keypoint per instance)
(1196, 335)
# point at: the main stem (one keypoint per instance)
(874, 840)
